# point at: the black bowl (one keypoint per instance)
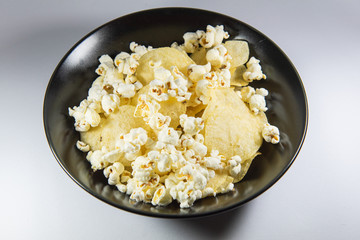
(160, 27)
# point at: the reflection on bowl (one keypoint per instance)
(160, 27)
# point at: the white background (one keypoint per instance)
(318, 198)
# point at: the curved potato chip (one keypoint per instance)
(168, 56)
(199, 56)
(237, 76)
(229, 121)
(110, 128)
(173, 109)
(195, 111)
(219, 182)
(239, 52)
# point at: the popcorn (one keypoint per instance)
(82, 146)
(213, 36)
(197, 72)
(92, 117)
(214, 161)
(234, 166)
(96, 159)
(126, 90)
(246, 93)
(158, 90)
(161, 196)
(191, 125)
(158, 121)
(191, 42)
(255, 98)
(253, 71)
(218, 57)
(143, 168)
(257, 103)
(271, 133)
(110, 102)
(146, 107)
(168, 135)
(131, 143)
(113, 172)
(202, 90)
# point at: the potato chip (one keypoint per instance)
(195, 111)
(199, 56)
(237, 76)
(167, 56)
(239, 52)
(220, 182)
(110, 128)
(229, 121)
(173, 109)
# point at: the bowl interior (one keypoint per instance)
(160, 27)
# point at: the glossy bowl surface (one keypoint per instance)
(160, 27)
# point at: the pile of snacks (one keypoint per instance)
(175, 123)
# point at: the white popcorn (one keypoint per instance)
(158, 121)
(96, 92)
(262, 92)
(82, 146)
(168, 135)
(106, 63)
(131, 143)
(126, 90)
(255, 98)
(162, 74)
(110, 102)
(146, 107)
(253, 71)
(246, 93)
(113, 173)
(213, 36)
(163, 160)
(191, 125)
(234, 166)
(202, 90)
(82, 126)
(218, 57)
(191, 42)
(214, 161)
(197, 72)
(257, 103)
(96, 159)
(143, 168)
(271, 133)
(112, 156)
(120, 60)
(158, 90)
(92, 117)
(161, 196)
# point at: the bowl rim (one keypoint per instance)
(157, 214)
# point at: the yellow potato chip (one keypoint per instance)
(199, 56)
(173, 109)
(229, 121)
(110, 128)
(239, 52)
(168, 56)
(220, 182)
(237, 76)
(195, 111)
